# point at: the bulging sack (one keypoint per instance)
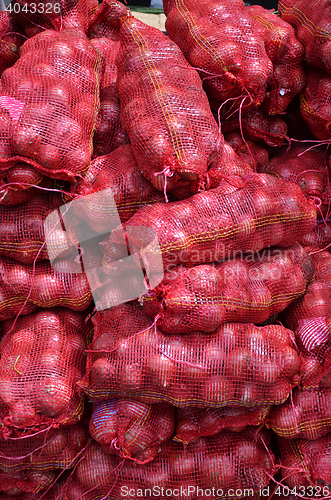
(131, 429)
(246, 289)
(164, 109)
(24, 288)
(306, 415)
(312, 28)
(218, 223)
(228, 460)
(306, 463)
(57, 448)
(50, 99)
(309, 317)
(193, 423)
(220, 40)
(237, 364)
(42, 358)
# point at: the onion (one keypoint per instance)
(285, 421)
(161, 370)
(183, 464)
(132, 377)
(247, 452)
(102, 375)
(52, 396)
(56, 444)
(218, 470)
(96, 468)
(217, 390)
(22, 414)
(238, 362)
(74, 491)
(267, 371)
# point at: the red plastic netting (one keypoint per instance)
(21, 182)
(320, 237)
(11, 39)
(254, 154)
(22, 229)
(310, 318)
(238, 364)
(215, 224)
(53, 449)
(192, 423)
(164, 109)
(306, 415)
(26, 484)
(286, 54)
(221, 40)
(307, 463)
(109, 133)
(256, 124)
(53, 14)
(42, 358)
(246, 289)
(311, 21)
(229, 162)
(131, 429)
(21, 285)
(50, 99)
(306, 167)
(113, 187)
(315, 103)
(105, 21)
(215, 465)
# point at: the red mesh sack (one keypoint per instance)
(105, 21)
(42, 357)
(22, 229)
(220, 39)
(54, 14)
(11, 39)
(213, 225)
(131, 429)
(311, 21)
(192, 423)
(219, 464)
(24, 288)
(307, 463)
(315, 103)
(320, 237)
(230, 161)
(21, 182)
(118, 172)
(286, 54)
(109, 133)
(246, 289)
(53, 449)
(254, 154)
(310, 318)
(164, 109)
(256, 124)
(25, 484)
(50, 99)
(306, 415)
(236, 364)
(307, 168)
